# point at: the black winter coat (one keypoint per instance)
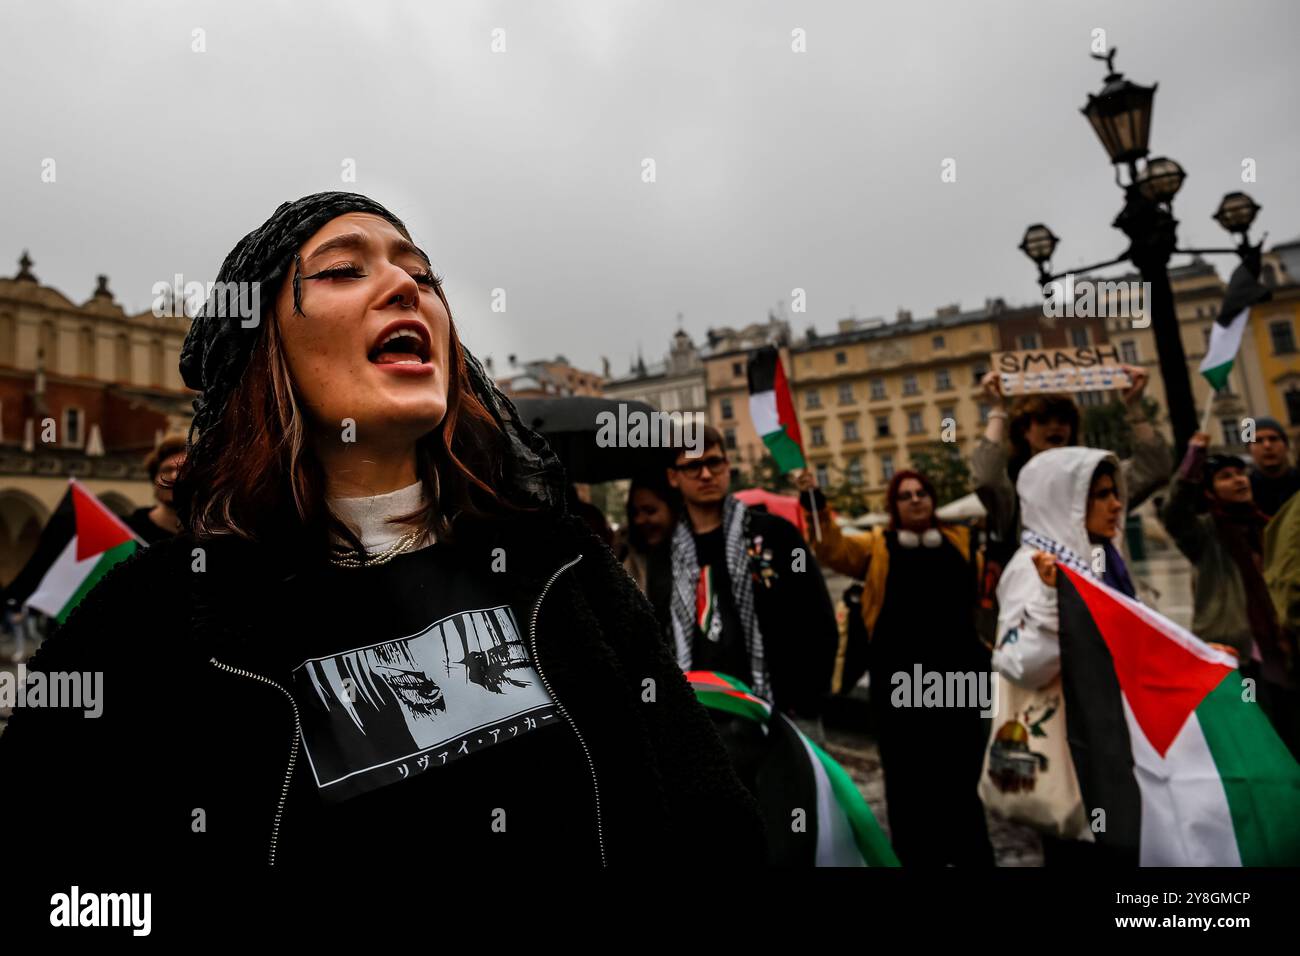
(191, 721)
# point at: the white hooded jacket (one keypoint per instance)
(1053, 489)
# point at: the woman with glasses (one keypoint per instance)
(158, 523)
(929, 672)
(381, 641)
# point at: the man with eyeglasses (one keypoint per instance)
(747, 597)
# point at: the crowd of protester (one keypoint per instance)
(940, 597)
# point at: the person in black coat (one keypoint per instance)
(380, 632)
(748, 597)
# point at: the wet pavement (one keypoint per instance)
(1013, 845)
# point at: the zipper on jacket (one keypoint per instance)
(293, 750)
(537, 663)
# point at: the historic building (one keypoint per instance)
(86, 391)
(727, 383)
(545, 378)
(871, 395)
(675, 384)
(1265, 378)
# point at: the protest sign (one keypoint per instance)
(1068, 369)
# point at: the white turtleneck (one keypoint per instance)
(368, 516)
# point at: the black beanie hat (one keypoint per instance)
(217, 348)
(1215, 464)
(1272, 424)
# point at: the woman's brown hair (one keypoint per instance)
(1038, 408)
(254, 475)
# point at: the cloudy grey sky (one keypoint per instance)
(522, 169)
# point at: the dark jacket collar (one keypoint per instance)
(242, 580)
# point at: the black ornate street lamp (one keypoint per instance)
(1121, 117)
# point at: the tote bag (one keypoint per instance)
(1028, 774)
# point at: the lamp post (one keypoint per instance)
(1121, 117)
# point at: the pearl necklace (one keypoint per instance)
(353, 559)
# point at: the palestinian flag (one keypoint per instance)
(1185, 771)
(836, 828)
(99, 541)
(56, 534)
(1244, 291)
(706, 600)
(772, 410)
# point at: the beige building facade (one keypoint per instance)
(86, 391)
(869, 398)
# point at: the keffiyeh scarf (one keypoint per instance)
(686, 573)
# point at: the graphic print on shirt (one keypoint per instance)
(377, 714)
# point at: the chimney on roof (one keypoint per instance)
(947, 311)
(995, 305)
(101, 288)
(904, 315)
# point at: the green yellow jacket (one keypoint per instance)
(1282, 563)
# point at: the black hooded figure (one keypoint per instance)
(380, 631)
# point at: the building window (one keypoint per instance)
(1283, 336)
(846, 393)
(980, 371)
(812, 399)
(877, 388)
(841, 358)
(1079, 338)
(1231, 436)
(1029, 341)
(727, 411)
(937, 342)
(86, 352)
(851, 430)
(984, 413)
(123, 358)
(882, 426)
(1128, 352)
(887, 468)
(942, 380)
(909, 385)
(855, 471)
(823, 476)
(818, 436)
(49, 346)
(948, 413)
(72, 436)
(1293, 406)
(1090, 399)
(915, 423)
(729, 438)
(737, 370)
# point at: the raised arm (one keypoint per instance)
(847, 554)
(1181, 519)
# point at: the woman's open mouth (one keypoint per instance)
(403, 347)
